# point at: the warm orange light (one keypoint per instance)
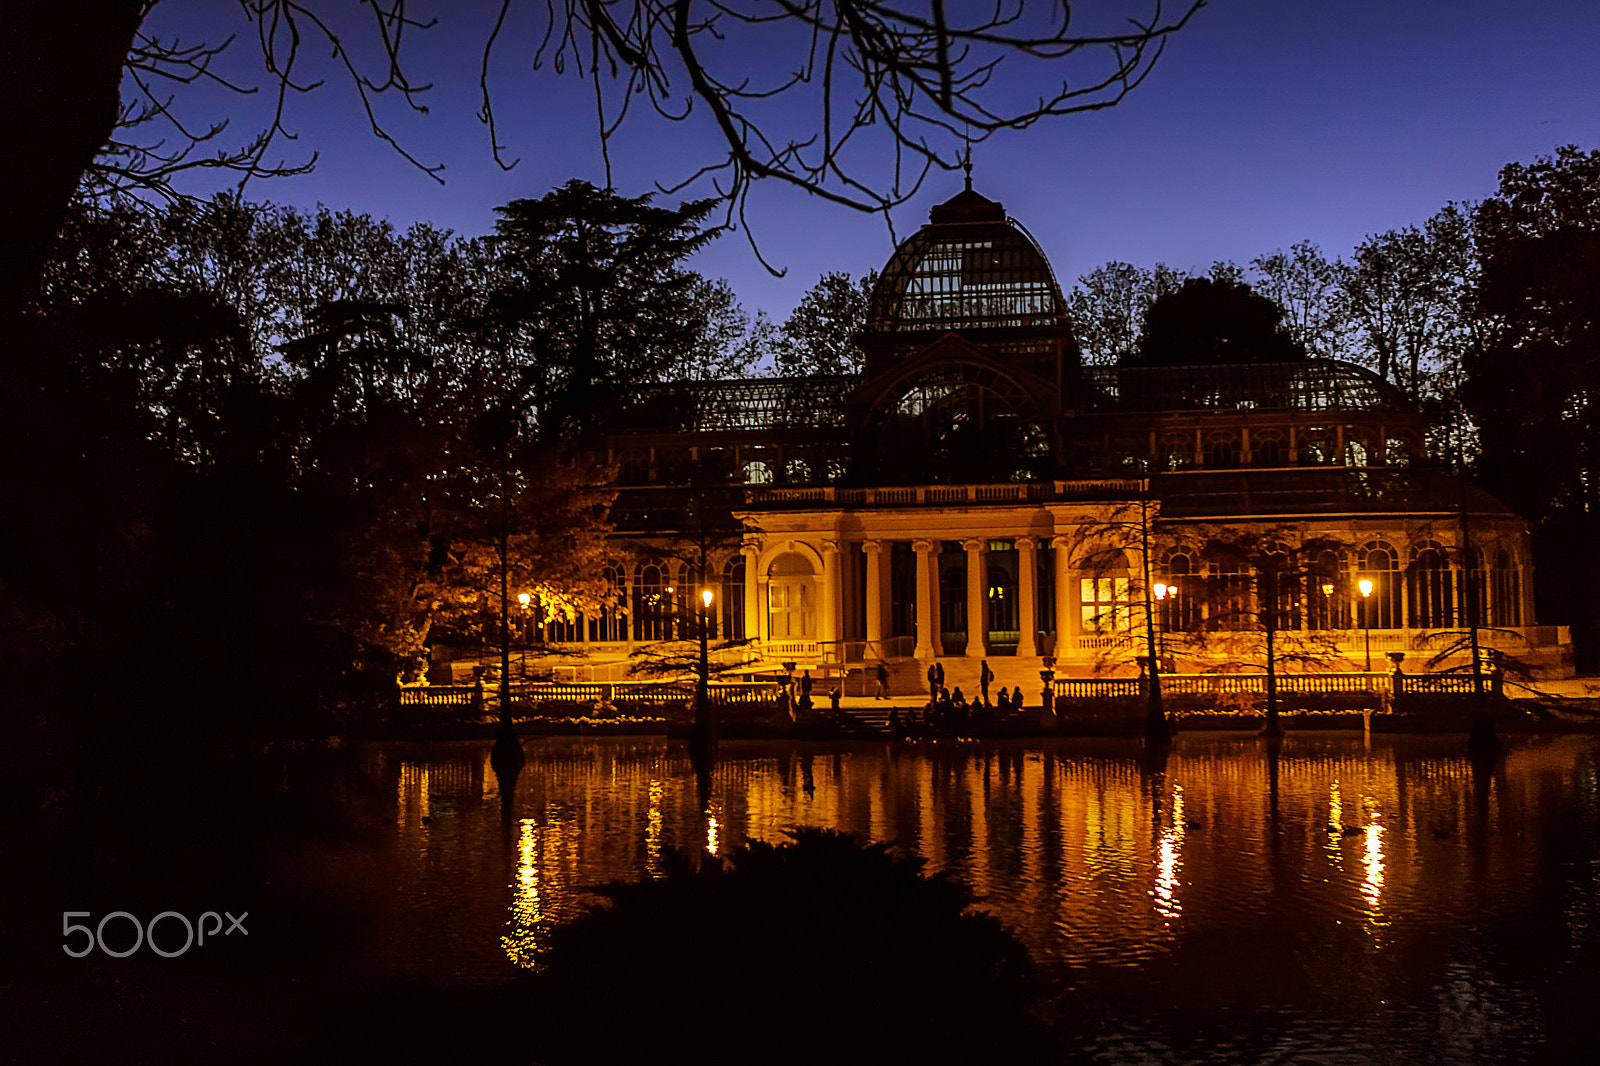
(523, 598)
(1162, 589)
(670, 590)
(705, 598)
(1365, 586)
(1327, 588)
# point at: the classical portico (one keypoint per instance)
(922, 571)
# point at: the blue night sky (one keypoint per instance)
(1265, 123)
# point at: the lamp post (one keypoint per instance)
(703, 738)
(1365, 585)
(525, 602)
(1162, 591)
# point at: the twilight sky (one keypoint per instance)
(1266, 122)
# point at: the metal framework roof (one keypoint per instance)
(738, 404)
(986, 275)
(1311, 385)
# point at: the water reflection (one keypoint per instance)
(1330, 884)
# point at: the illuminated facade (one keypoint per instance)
(979, 493)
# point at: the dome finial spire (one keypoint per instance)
(966, 162)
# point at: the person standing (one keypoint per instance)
(883, 682)
(805, 688)
(938, 676)
(933, 681)
(985, 677)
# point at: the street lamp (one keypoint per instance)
(1162, 591)
(523, 601)
(1365, 585)
(703, 695)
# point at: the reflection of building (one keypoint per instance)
(977, 492)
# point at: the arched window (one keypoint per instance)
(1315, 446)
(1506, 591)
(1358, 450)
(1269, 447)
(1179, 609)
(1222, 449)
(1177, 451)
(1431, 588)
(1230, 603)
(1002, 594)
(1327, 593)
(1379, 564)
(611, 621)
(1105, 595)
(733, 599)
(791, 598)
(797, 471)
(757, 473)
(651, 604)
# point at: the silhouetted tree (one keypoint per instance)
(1109, 305)
(819, 336)
(1207, 321)
(1531, 379)
(594, 301)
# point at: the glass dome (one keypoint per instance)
(970, 268)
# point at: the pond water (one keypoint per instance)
(1336, 899)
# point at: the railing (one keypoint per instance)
(1009, 492)
(1444, 684)
(588, 693)
(1224, 684)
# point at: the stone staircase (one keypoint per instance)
(1009, 672)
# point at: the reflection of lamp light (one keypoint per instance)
(1365, 585)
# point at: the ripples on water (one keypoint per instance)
(1338, 901)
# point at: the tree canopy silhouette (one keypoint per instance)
(1210, 321)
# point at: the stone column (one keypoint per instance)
(927, 601)
(1028, 596)
(752, 593)
(874, 626)
(828, 602)
(977, 605)
(1065, 624)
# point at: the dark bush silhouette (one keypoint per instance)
(819, 950)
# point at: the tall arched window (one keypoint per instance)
(733, 599)
(1327, 593)
(1269, 447)
(1177, 451)
(1230, 600)
(1180, 606)
(1222, 449)
(1431, 588)
(1105, 596)
(757, 473)
(1380, 565)
(611, 621)
(1002, 594)
(650, 604)
(791, 598)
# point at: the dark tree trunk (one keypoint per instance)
(63, 60)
